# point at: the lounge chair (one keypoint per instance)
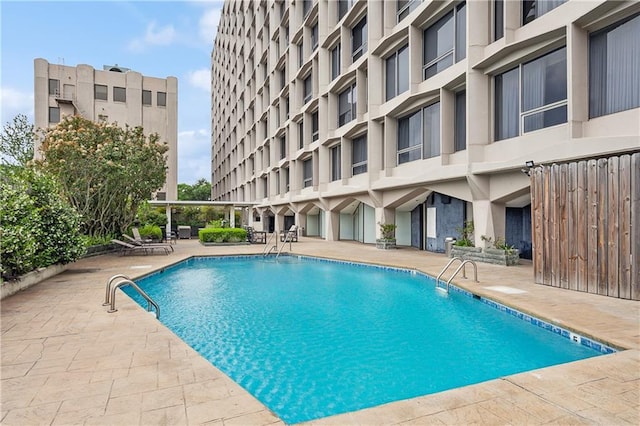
(126, 248)
(290, 235)
(146, 243)
(256, 237)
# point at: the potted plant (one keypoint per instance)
(500, 252)
(388, 240)
(464, 244)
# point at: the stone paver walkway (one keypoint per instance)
(66, 361)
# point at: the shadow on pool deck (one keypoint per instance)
(65, 360)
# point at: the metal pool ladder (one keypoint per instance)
(268, 249)
(462, 265)
(110, 294)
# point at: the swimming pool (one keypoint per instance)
(311, 338)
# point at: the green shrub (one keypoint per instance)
(151, 231)
(222, 235)
(38, 228)
(151, 215)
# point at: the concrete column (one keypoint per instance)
(488, 220)
(168, 213)
(232, 216)
(332, 219)
(384, 215)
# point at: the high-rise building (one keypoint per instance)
(114, 94)
(339, 116)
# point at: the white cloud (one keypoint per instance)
(194, 156)
(200, 79)
(154, 36)
(209, 25)
(14, 102)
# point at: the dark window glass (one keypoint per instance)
(161, 99)
(314, 37)
(54, 87)
(335, 62)
(445, 42)
(359, 39)
(460, 133)
(359, 155)
(532, 9)
(307, 166)
(308, 89)
(315, 128)
(54, 115)
(347, 106)
(614, 68)
(431, 128)
(507, 105)
(405, 7)
(100, 92)
(498, 19)
(336, 163)
(146, 97)
(119, 94)
(301, 135)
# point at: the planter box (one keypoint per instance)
(487, 255)
(386, 244)
(29, 279)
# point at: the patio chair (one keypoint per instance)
(290, 235)
(256, 237)
(126, 248)
(146, 243)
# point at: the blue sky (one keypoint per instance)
(155, 38)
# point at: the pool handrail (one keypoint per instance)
(108, 288)
(150, 301)
(267, 248)
(461, 266)
(284, 243)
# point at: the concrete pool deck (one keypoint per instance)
(65, 360)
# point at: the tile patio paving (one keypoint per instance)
(66, 361)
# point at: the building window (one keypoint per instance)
(119, 94)
(308, 89)
(100, 92)
(283, 78)
(301, 135)
(397, 77)
(307, 5)
(444, 43)
(286, 108)
(542, 83)
(300, 55)
(283, 147)
(315, 127)
(498, 19)
(405, 7)
(336, 159)
(532, 9)
(54, 115)
(277, 182)
(460, 119)
(286, 179)
(343, 7)
(335, 62)
(54, 87)
(314, 36)
(359, 155)
(161, 99)
(419, 134)
(359, 39)
(146, 97)
(307, 173)
(614, 68)
(347, 105)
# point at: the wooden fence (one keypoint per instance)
(586, 225)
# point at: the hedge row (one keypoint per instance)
(222, 235)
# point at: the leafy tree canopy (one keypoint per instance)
(16, 142)
(105, 171)
(199, 191)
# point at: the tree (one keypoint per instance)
(38, 228)
(105, 171)
(200, 191)
(16, 142)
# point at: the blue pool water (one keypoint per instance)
(312, 338)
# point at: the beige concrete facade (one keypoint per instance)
(115, 94)
(297, 88)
